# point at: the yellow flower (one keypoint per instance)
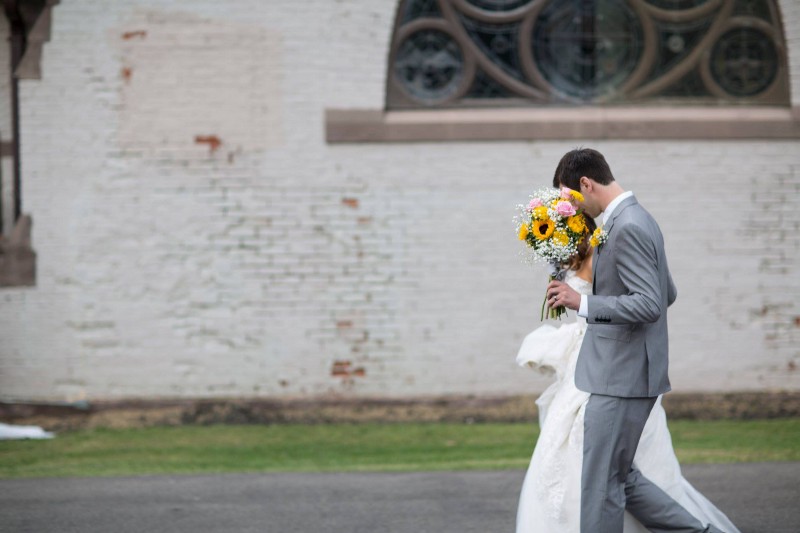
(561, 238)
(523, 232)
(543, 229)
(577, 224)
(598, 237)
(540, 213)
(578, 197)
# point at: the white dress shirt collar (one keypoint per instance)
(613, 205)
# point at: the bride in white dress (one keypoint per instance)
(550, 498)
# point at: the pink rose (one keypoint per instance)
(536, 202)
(565, 209)
(566, 193)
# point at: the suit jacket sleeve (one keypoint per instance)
(636, 261)
(673, 292)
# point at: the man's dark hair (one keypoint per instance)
(582, 162)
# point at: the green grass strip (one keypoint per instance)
(363, 447)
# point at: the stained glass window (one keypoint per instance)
(477, 53)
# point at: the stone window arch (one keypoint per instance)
(468, 70)
(490, 53)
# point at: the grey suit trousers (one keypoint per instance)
(610, 483)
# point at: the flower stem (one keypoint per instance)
(543, 304)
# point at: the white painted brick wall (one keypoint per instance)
(278, 265)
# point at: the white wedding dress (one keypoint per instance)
(550, 498)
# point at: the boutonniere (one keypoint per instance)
(599, 237)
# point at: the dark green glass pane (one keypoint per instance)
(691, 85)
(676, 41)
(676, 5)
(429, 65)
(753, 8)
(499, 42)
(587, 49)
(414, 9)
(484, 87)
(744, 61)
(499, 5)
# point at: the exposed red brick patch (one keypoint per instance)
(133, 34)
(792, 366)
(364, 220)
(212, 141)
(350, 202)
(344, 324)
(341, 368)
(127, 72)
(797, 321)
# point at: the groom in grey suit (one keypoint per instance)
(623, 359)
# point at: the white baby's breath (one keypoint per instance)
(557, 242)
(548, 251)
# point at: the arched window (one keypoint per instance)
(462, 70)
(489, 53)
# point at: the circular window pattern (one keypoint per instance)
(744, 61)
(429, 65)
(587, 49)
(484, 53)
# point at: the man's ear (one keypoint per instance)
(585, 183)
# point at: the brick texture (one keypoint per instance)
(196, 237)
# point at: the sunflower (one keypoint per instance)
(577, 224)
(540, 213)
(578, 197)
(543, 229)
(561, 238)
(523, 232)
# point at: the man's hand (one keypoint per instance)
(559, 293)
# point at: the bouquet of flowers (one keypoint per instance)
(552, 226)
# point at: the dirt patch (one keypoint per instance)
(465, 409)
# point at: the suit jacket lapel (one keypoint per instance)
(627, 202)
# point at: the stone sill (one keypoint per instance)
(524, 124)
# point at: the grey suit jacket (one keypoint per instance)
(625, 350)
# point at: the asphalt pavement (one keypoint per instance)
(758, 497)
